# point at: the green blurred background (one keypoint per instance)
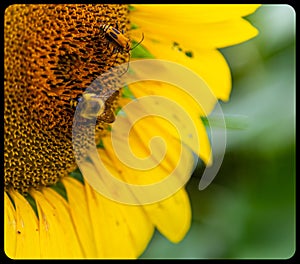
(249, 209)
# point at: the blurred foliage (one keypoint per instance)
(249, 209)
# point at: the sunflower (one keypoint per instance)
(52, 53)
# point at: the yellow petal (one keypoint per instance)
(202, 13)
(152, 163)
(172, 216)
(193, 33)
(58, 238)
(210, 65)
(80, 216)
(140, 175)
(217, 35)
(88, 216)
(213, 68)
(122, 231)
(184, 125)
(10, 228)
(26, 229)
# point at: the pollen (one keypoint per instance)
(52, 54)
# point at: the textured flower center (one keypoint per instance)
(52, 54)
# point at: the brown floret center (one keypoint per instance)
(52, 54)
